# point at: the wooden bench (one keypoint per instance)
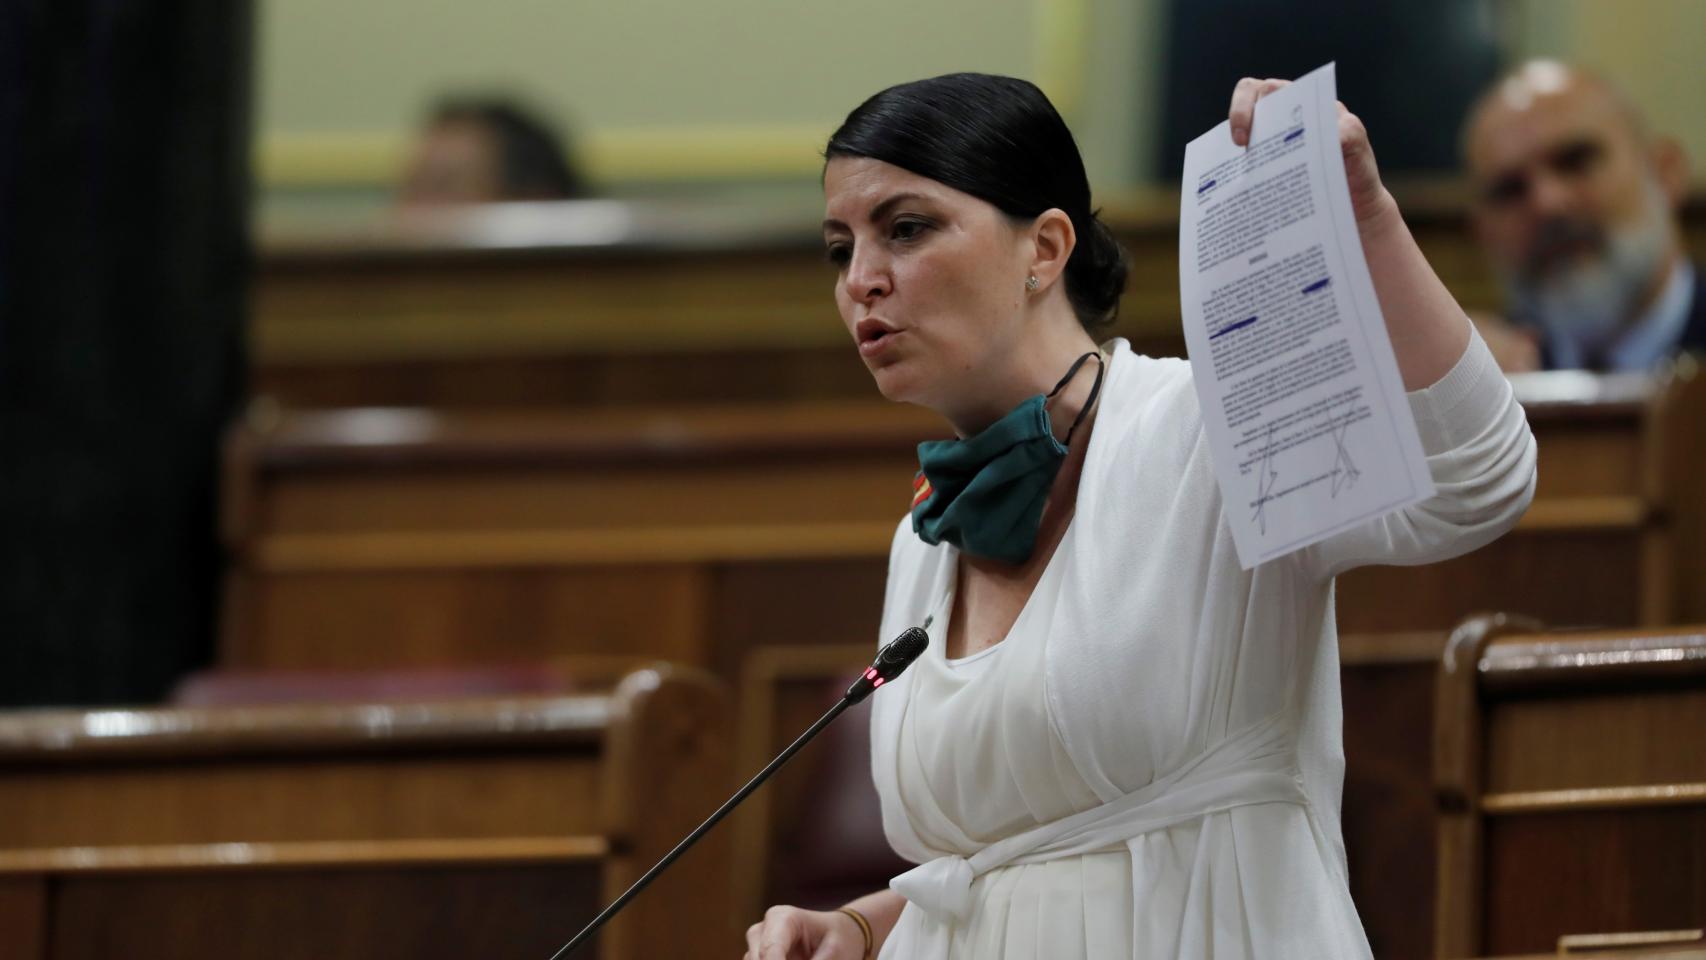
(482, 827)
(814, 833)
(525, 305)
(1571, 778)
(604, 302)
(389, 537)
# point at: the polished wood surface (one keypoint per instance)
(397, 802)
(347, 910)
(815, 832)
(1571, 784)
(24, 916)
(389, 537)
(599, 303)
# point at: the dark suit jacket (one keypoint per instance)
(1693, 333)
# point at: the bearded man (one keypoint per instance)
(1575, 203)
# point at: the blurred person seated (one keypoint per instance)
(474, 150)
(1575, 203)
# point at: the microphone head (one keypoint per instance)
(895, 656)
(900, 652)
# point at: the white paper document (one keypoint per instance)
(1305, 413)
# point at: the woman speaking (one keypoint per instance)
(1123, 744)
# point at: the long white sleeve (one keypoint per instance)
(1481, 455)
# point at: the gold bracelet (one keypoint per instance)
(864, 926)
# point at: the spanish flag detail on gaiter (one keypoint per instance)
(920, 489)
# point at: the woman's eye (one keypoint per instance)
(838, 254)
(907, 229)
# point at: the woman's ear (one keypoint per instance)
(1052, 240)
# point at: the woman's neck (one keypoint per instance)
(1033, 366)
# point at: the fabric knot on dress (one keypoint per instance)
(1253, 765)
(941, 887)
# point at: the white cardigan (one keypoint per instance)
(1158, 697)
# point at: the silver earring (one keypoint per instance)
(1032, 283)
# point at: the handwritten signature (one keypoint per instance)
(1266, 478)
(1345, 472)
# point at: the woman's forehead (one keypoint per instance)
(857, 189)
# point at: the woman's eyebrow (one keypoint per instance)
(879, 211)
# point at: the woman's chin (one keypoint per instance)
(898, 383)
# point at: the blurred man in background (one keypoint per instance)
(485, 151)
(1575, 202)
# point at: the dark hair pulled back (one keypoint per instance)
(1000, 140)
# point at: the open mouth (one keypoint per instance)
(872, 332)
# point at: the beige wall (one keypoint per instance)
(666, 89)
(685, 90)
(1649, 47)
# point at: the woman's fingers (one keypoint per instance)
(1243, 109)
(752, 933)
(778, 935)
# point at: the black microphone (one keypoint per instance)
(893, 658)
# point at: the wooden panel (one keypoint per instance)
(24, 917)
(797, 603)
(472, 380)
(370, 537)
(1586, 457)
(1601, 740)
(606, 497)
(450, 911)
(622, 774)
(299, 799)
(1571, 783)
(355, 619)
(814, 833)
(1388, 808)
(481, 537)
(1524, 573)
(299, 855)
(737, 307)
(712, 315)
(1593, 873)
(670, 754)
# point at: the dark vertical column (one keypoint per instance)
(1409, 70)
(123, 274)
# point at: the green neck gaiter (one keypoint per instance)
(985, 494)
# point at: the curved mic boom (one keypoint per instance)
(891, 660)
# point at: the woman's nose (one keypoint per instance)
(867, 278)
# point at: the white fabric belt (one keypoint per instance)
(1253, 765)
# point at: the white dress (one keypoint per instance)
(1149, 764)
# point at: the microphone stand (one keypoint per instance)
(700, 830)
(893, 658)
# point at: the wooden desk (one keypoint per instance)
(449, 828)
(1615, 535)
(1572, 785)
(393, 537)
(604, 302)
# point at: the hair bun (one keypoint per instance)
(1096, 274)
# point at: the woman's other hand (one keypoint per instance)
(1370, 202)
(789, 933)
